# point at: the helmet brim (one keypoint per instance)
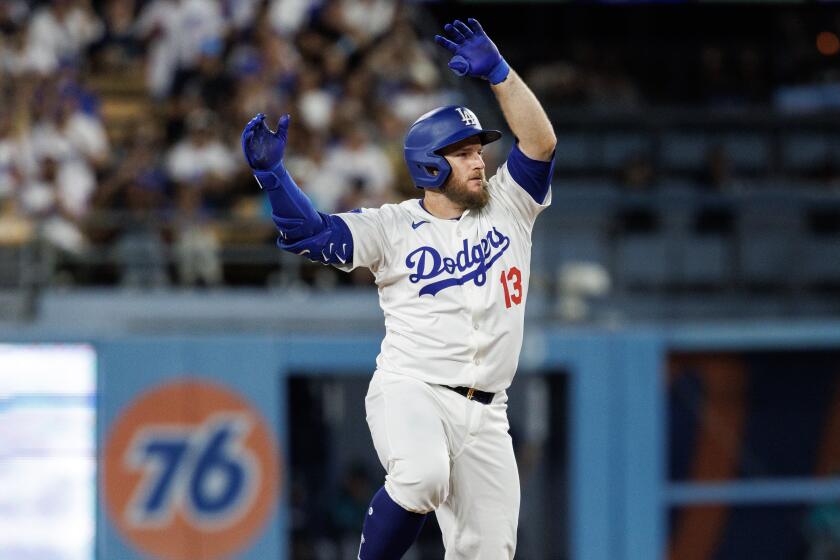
(488, 136)
(485, 137)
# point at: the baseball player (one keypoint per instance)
(452, 270)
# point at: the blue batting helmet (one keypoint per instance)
(434, 131)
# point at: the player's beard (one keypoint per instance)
(460, 193)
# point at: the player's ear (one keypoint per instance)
(432, 171)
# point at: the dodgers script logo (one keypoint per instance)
(471, 262)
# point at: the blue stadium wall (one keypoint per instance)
(640, 486)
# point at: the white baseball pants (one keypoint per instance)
(445, 453)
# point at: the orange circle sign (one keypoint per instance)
(190, 472)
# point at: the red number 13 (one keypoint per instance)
(512, 285)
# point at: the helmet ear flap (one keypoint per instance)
(428, 171)
(439, 171)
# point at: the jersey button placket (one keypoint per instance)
(477, 305)
(474, 337)
(471, 299)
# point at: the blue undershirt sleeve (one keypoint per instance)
(532, 175)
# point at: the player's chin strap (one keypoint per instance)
(303, 230)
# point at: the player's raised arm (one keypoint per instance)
(475, 55)
(303, 230)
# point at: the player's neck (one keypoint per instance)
(440, 206)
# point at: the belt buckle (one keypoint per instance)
(470, 392)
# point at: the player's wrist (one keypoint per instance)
(499, 73)
(271, 179)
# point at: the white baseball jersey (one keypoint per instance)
(453, 291)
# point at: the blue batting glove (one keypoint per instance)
(263, 148)
(474, 53)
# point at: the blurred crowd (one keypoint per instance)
(119, 134)
(641, 56)
(121, 120)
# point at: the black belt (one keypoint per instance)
(474, 394)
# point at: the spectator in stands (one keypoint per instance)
(84, 132)
(362, 21)
(318, 181)
(61, 31)
(13, 14)
(280, 60)
(119, 49)
(157, 27)
(15, 58)
(240, 15)
(70, 148)
(314, 102)
(176, 31)
(140, 248)
(365, 171)
(47, 198)
(138, 163)
(201, 168)
(405, 74)
(208, 86)
(131, 201)
(12, 156)
(196, 242)
(287, 17)
(208, 83)
(416, 98)
(201, 162)
(355, 99)
(198, 22)
(335, 63)
(254, 91)
(392, 132)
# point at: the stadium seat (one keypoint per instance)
(684, 151)
(820, 254)
(820, 262)
(703, 245)
(573, 231)
(703, 261)
(768, 236)
(803, 151)
(748, 152)
(643, 262)
(617, 147)
(575, 152)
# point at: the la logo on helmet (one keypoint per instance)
(467, 116)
